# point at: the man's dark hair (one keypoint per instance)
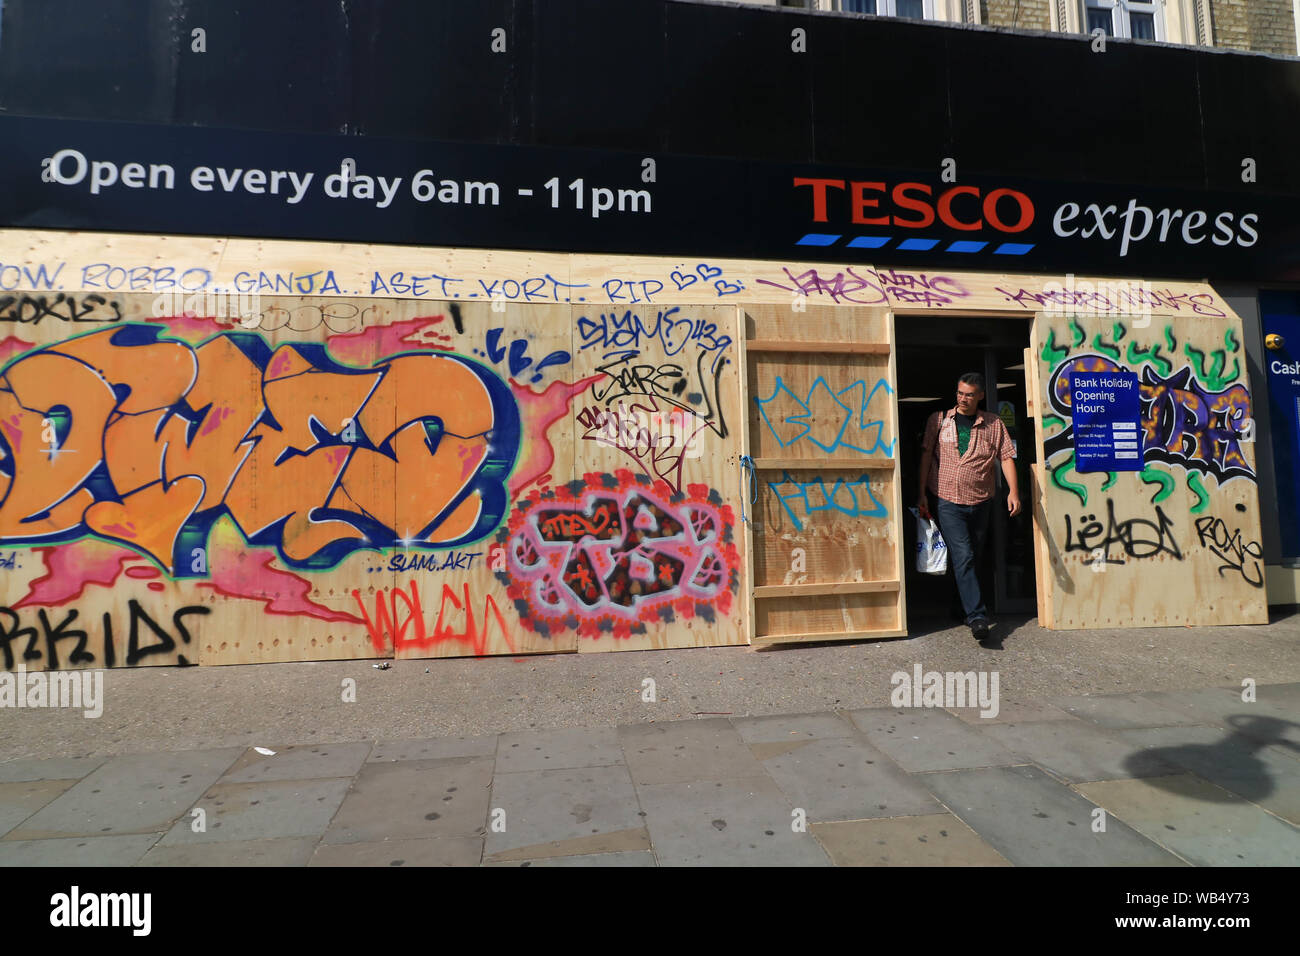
(974, 379)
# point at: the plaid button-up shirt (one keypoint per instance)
(970, 478)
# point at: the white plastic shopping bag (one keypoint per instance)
(931, 552)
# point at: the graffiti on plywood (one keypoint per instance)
(687, 375)
(658, 439)
(843, 420)
(133, 437)
(333, 483)
(70, 638)
(1195, 415)
(852, 498)
(400, 620)
(613, 553)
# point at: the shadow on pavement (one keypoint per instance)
(1231, 763)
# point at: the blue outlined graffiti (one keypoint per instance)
(519, 362)
(850, 498)
(820, 395)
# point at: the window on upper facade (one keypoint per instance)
(1138, 19)
(910, 9)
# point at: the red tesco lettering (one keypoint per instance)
(913, 205)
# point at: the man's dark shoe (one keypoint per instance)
(981, 627)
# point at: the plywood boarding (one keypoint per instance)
(471, 611)
(112, 264)
(1177, 543)
(330, 478)
(1043, 565)
(1037, 516)
(355, 297)
(827, 617)
(660, 430)
(822, 433)
(749, 483)
(838, 519)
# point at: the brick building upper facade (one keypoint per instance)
(1266, 26)
(1261, 26)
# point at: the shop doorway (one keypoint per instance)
(933, 352)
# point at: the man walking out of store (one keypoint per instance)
(960, 454)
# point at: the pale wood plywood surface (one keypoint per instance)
(353, 477)
(1178, 542)
(823, 426)
(665, 403)
(580, 346)
(459, 274)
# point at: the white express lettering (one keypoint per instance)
(1137, 223)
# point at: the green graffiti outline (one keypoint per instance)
(1052, 353)
(1194, 484)
(1101, 346)
(1150, 476)
(1079, 334)
(1214, 379)
(1138, 356)
(1111, 478)
(1059, 470)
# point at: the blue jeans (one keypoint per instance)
(964, 529)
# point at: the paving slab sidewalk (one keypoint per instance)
(1176, 778)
